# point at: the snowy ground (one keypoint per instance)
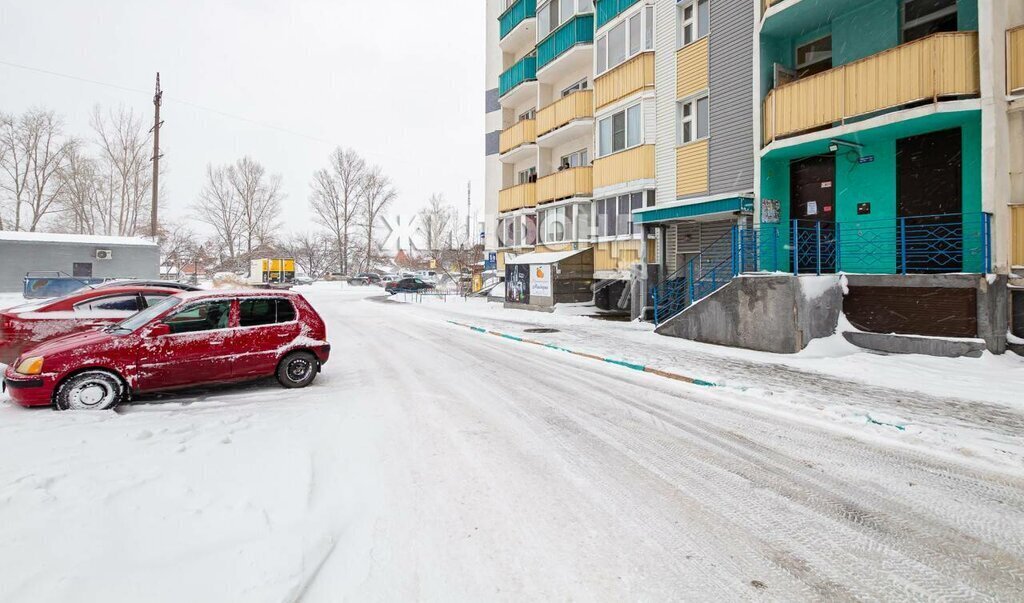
(432, 462)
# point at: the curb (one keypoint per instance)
(629, 365)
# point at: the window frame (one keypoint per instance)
(95, 300)
(196, 304)
(701, 27)
(530, 171)
(798, 66)
(577, 87)
(693, 119)
(646, 14)
(904, 25)
(582, 159)
(624, 205)
(626, 130)
(579, 7)
(276, 300)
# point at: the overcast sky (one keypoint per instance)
(400, 81)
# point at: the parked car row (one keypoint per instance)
(97, 347)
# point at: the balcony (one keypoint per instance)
(517, 197)
(609, 9)
(940, 66)
(625, 166)
(573, 182)
(517, 142)
(634, 75)
(513, 85)
(569, 47)
(1015, 60)
(517, 25)
(567, 118)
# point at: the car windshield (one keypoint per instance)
(132, 323)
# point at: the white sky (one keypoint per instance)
(401, 81)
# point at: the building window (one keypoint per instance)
(615, 214)
(556, 224)
(528, 175)
(625, 40)
(573, 160)
(551, 15)
(580, 85)
(693, 119)
(81, 269)
(619, 131)
(814, 57)
(529, 114)
(693, 17)
(924, 17)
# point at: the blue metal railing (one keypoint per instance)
(932, 244)
(516, 14)
(609, 9)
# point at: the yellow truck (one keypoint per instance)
(276, 273)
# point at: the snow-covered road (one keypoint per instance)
(430, 462)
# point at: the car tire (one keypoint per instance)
(90, 390)
(298, 369)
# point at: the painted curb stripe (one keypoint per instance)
(615, 361)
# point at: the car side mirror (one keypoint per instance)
(160, 329)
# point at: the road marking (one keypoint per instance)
(615, 361)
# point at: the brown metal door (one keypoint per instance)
(812, 196)
(929, 200)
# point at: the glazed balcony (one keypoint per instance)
(572, 39)
(940, 66)
(519, 81)
(518, 25)
(517, 141)
(567, 118)
(625, 166)
(517, 197)
(634, 75)
(609, 9)
(1015, 60)
(573, 182)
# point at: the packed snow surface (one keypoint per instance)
(432, 462)
(80, 239)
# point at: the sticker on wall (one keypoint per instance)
(826, 209)
(812, 208)
(770, 209)
(540, 280)
(826, 184)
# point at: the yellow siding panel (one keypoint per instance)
(553, 248)
(633, 164)
(1017, 218)
(1015, 59)
(574, 182)
(692, 68)
(523, 132)
(938, 66)
(692, 168)
(577, 105)
(620, 255)
(630, 77)
(517, 197)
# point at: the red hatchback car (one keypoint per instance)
(184, 340)
(23, 327)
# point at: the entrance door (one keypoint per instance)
(812, 198)
(929, 199)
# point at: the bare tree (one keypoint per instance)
(34, 149)
(81, 195)
(220, 208)
(258, 196)
(336, 199)
(124, 144)
(378, 194)
(312, 251)
(436, 220)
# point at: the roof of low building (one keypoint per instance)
(543, 257)
(72, 239)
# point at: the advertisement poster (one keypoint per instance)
(517, 283)
(540, 280)
(770, 211)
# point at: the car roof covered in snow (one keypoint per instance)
(75, 239)
(219, 293)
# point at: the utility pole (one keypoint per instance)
(157, 99)
(469, 220)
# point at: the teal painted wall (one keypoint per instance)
(967, 15)
(868, 242)
(865, 31)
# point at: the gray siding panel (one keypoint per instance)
(20, 257)
(491, 103)
(731, 58)
(491, 144)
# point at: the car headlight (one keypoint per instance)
(31, 366)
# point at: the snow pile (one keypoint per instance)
(228, 280)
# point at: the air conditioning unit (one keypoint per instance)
(104, 254)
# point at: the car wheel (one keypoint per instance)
(90, 390)
(298, 369)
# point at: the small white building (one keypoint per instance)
(82, 256)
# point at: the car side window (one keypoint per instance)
(128, 302)
(152, 298)
(255, 312)
(205, 316)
